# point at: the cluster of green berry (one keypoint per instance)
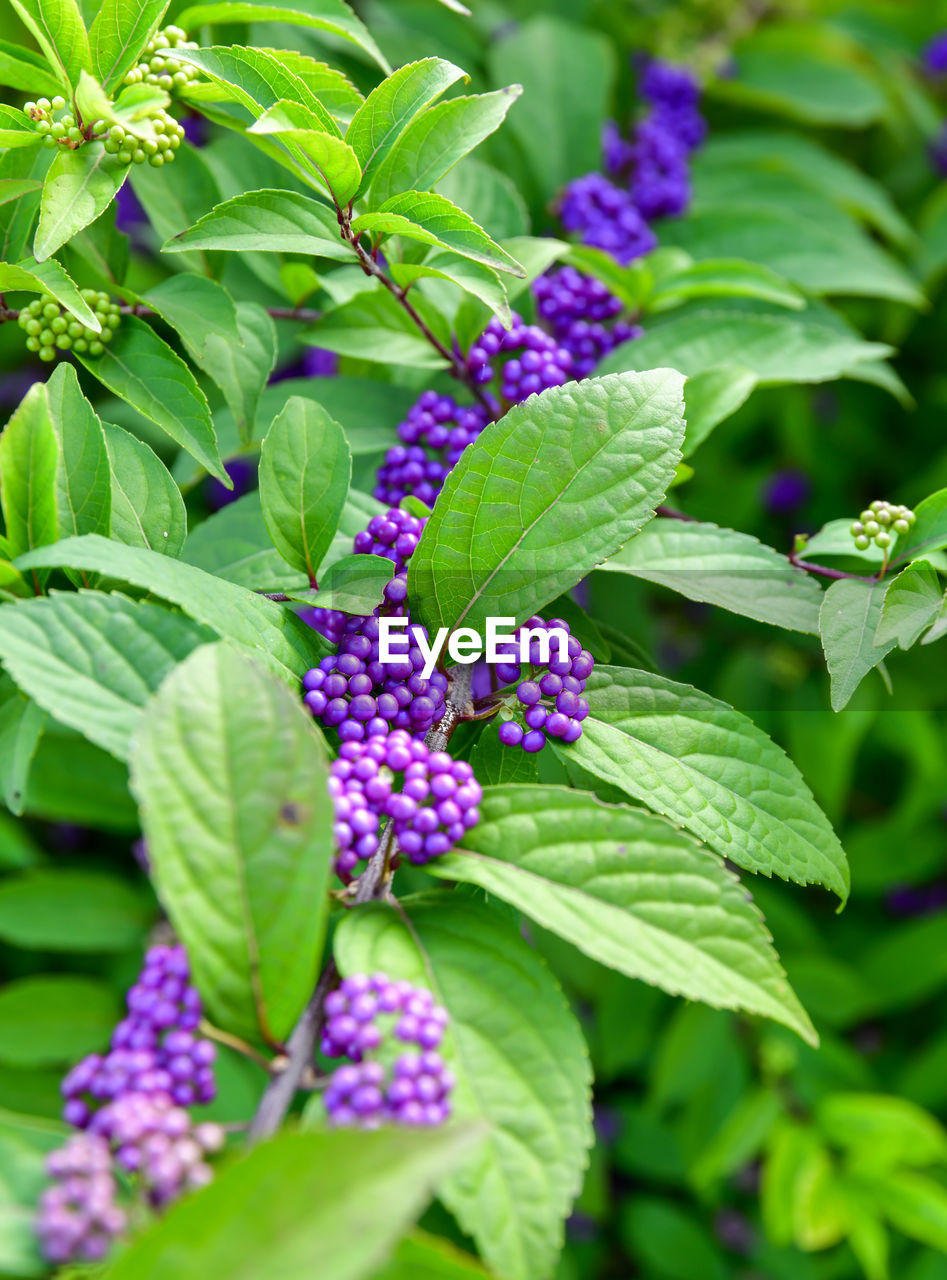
(62, 130)
(158, 150)
(157, 68)
(877, 522)
(49, 328)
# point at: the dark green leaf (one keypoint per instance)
(235, 544)
(197, 308)
(240, 841)
(851, 612)
(912, 602)
(147, 507)
(372, 326)
(432, 219)
(64, 910)
(29, 459)
(268, 222)
(83, 485)
(54, 1019)
(241, 366)
(723, 278)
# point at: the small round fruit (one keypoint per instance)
(862, 542)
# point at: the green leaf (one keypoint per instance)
(325, 15)
(29, 460)
(916, 1206)
(354, 584)
(119, 33)
(721, 567)
(83, 484)
(912, 602)
(16, 129)
(663, 1234)
(319, 147)
(544, 495)
(147, 507)
(880, 1129)
(630, 891)
(776, 348)
(175, 196)
(510, 1029)
(710, 769)
(436, 139)
(305, 470)
(297, 1206)
(277, 637)
(372, 326)
(848, 622)
(493, 763)
(929, 531)
(141, 368)
(11, 189)
(566, 72)
(235, 544)
(240, 842)
(739, 1138)
(392, 105)
(711, 397)
(54, 1019)
(22, 725)
(93, 660)
(48, 277)
(724, 278)
(18, 217)
(824, 256)
(479, 281)
(432, 219)
(27, 70)
(197, 308)
(60, 32)
(65, 910)
(425, 1257)
(330, 86)
(241, 366)
(267, 222)
(79, 186)
(489, 196)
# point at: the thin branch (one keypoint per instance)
(290, 1074)
(234, 1042)
(823, 571)
(672, 513)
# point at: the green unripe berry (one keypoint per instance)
(64, 342)
(872, 527)
(174, 142)
(58, 102)
(44, 104)
(105, 335)
(46, 337)
(149, 146)
(99, 126)
(158, 125)
(862, 542)
(866, 515)
(179, 78)
(138, 156)
(96, 348)
(43, 126)
(59, 325)
(29, 107)
(57, 131)
(883, 539)
(900, 526)
(80, 346)
(857, 527)
(32, 343)
(49, 141)
(47, 353)
(50, 309)
(124, 157)
(33, 326)
(116, 133)
(156, 161)
(164, 142)
(884, 516)
(75, 329)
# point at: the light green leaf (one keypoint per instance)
(119, 33)
(929, 531)
(432, 219)
(710, 769)
(489, 196)
(93, 660)
(566, 72)
(912, 602)
(147, 507)
(48, 277)
(83, 484)
(240, 842)
(22, 725)
(479, 281)
(12, 189)
(198, 308)
(66, 910)
(55, 1019)
(723, 278)
(880, 1129)
(175, 196)
(804, 84)
(235, 544)
(16, 129)
(916, 1206)
(79, 186)
(305, 471)
(710, 397)
(848, 622)
(321, 150)
(372, 326)
(544, 495)
(241, 366)
(26, 70)
(355, 584)
(776, 348)
(141, 368)
(325, 15)
(629, 890)
(725, 568)
(329, 85)
(296, 1206)
(275, 635)
(60, 32)
(510, 1028)
(392, 105)
(29, 459)
(436, 139)
(267, 222)
(421, 1256)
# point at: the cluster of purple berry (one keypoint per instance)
(416, 1090)
(539, 363)
(153, 1049)
(394, 534)
(131, 1103)
(551, 695)
(436, 803)
(652, 168)
(577, 309)
(435, 433)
